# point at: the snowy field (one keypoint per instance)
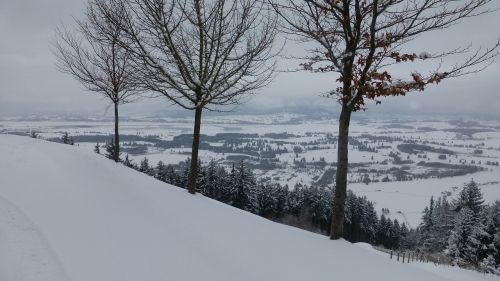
(461, 143)
(406, 200)
(69, 214)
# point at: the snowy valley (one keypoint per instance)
(396, 162)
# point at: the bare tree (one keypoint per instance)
(199, 54)
(361, 42)
(92, 54)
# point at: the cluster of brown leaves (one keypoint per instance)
(403, 57)
(382, 84)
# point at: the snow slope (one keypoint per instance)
(81, 217)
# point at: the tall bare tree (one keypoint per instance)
(199, 54)
(92, 55)
(361, 41)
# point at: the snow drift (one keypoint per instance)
(83, 217)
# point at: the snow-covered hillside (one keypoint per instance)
(67, 214)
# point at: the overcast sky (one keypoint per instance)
(30, 84)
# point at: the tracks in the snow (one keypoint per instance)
(25, 255)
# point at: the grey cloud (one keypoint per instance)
(29, 82)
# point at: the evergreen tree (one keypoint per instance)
(201, 180)
(161, 171)
(127, 162)
(458, 244)
(443, 224)
(489, 252)
(389, 234)
(244, 187)
(296, 201)
(110, 149)
(280, 197)
(66, 139)
(265, 201)
(352, 218)
(471, 197)
(361, 219)
(230, 185)
(482, 240)
(488, 265)
(396, 235)
(427, 227)
(320, 204)
(494, 229)
(184, 174)
(221, 188)
(370, 221)
(171, 176)
(210, 181)
(428, 216)
(470, 243)
(145, 168)
(97, 148)
(404, 243)
(496, 244)
(392, 234)
(382, 230)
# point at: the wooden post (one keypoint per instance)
(398, 256)
(391, 254)
(404, 257)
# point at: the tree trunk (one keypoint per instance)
(193, 175)
(116, 155)
(337, 226)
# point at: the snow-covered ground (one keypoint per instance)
(68, 214)
(24, 252)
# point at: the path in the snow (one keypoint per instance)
(24, 253)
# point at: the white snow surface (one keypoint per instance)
(67, 214)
